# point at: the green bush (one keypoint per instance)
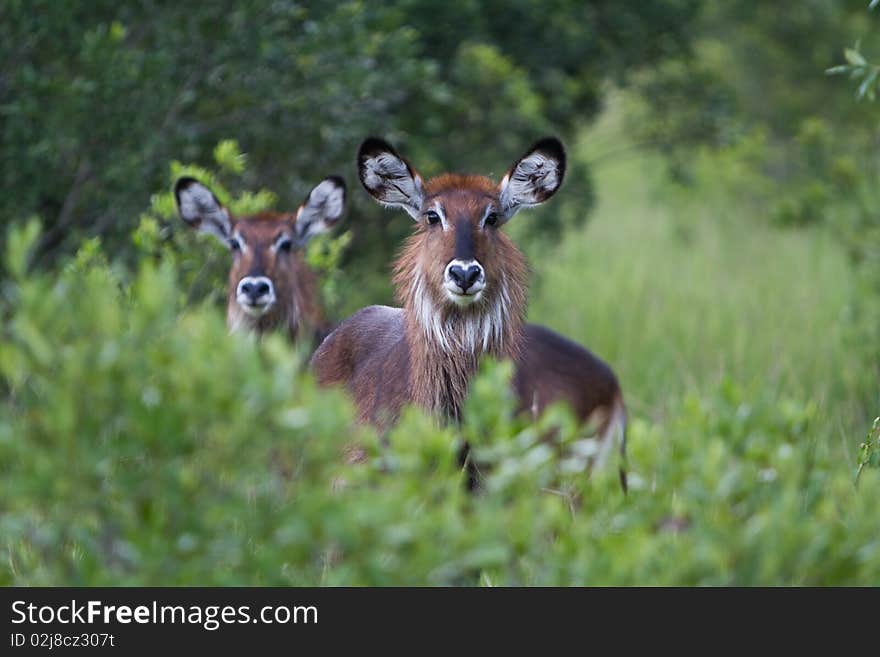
(140, 443)
(97, 97)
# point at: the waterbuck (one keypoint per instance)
(270, 285)
(462, 285)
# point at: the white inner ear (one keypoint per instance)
(327, 199)
(323, 207)
(199, 207)
(390, 181)
(532, 181)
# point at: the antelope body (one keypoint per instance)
(462, 285)
(270, 285)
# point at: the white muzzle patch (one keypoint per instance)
(464, 281)
(255, 295)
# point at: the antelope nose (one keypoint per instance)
(465, 276)
(255, 288)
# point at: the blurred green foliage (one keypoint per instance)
(869, 451)
(757, 77)
(97, 97)
(140, 443)
(758, 68)
(860, 219)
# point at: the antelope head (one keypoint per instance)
(270, 285)
(460, 276)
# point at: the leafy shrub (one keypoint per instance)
(140, 443)
(869, 451)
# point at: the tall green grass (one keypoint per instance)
(684, 288)
(140, 443)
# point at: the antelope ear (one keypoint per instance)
(534, 178)
(389, 178)
(321, 210)
(200, 209)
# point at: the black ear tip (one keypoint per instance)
(372, 146)
(182, 183)
(551, 146)
(338, 181)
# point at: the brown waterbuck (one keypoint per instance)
(270, 285)
(462, 284)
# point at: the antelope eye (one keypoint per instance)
(492, 219)
(433, 217)
(285, 244)
(234, 244)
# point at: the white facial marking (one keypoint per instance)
(439, 210)
(463, 300)
(255, 295)
(428, 315)
(453, 289)
(281, 241)
(489, 210)
(473, 332)
(242, 245)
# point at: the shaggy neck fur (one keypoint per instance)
(446, 341)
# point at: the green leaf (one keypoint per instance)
(20, 245)
(866, 88)
(854, 57)
(229, 157)
(837, 70)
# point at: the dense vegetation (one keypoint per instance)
(730, 273)
(98, 97)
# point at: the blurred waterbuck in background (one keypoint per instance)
(270, 285)
(462, 284)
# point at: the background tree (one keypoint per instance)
(141, 443)
(97, 97)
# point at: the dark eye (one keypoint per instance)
(234, 244)
(433, 217)
(285, 244)
(492, 219)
